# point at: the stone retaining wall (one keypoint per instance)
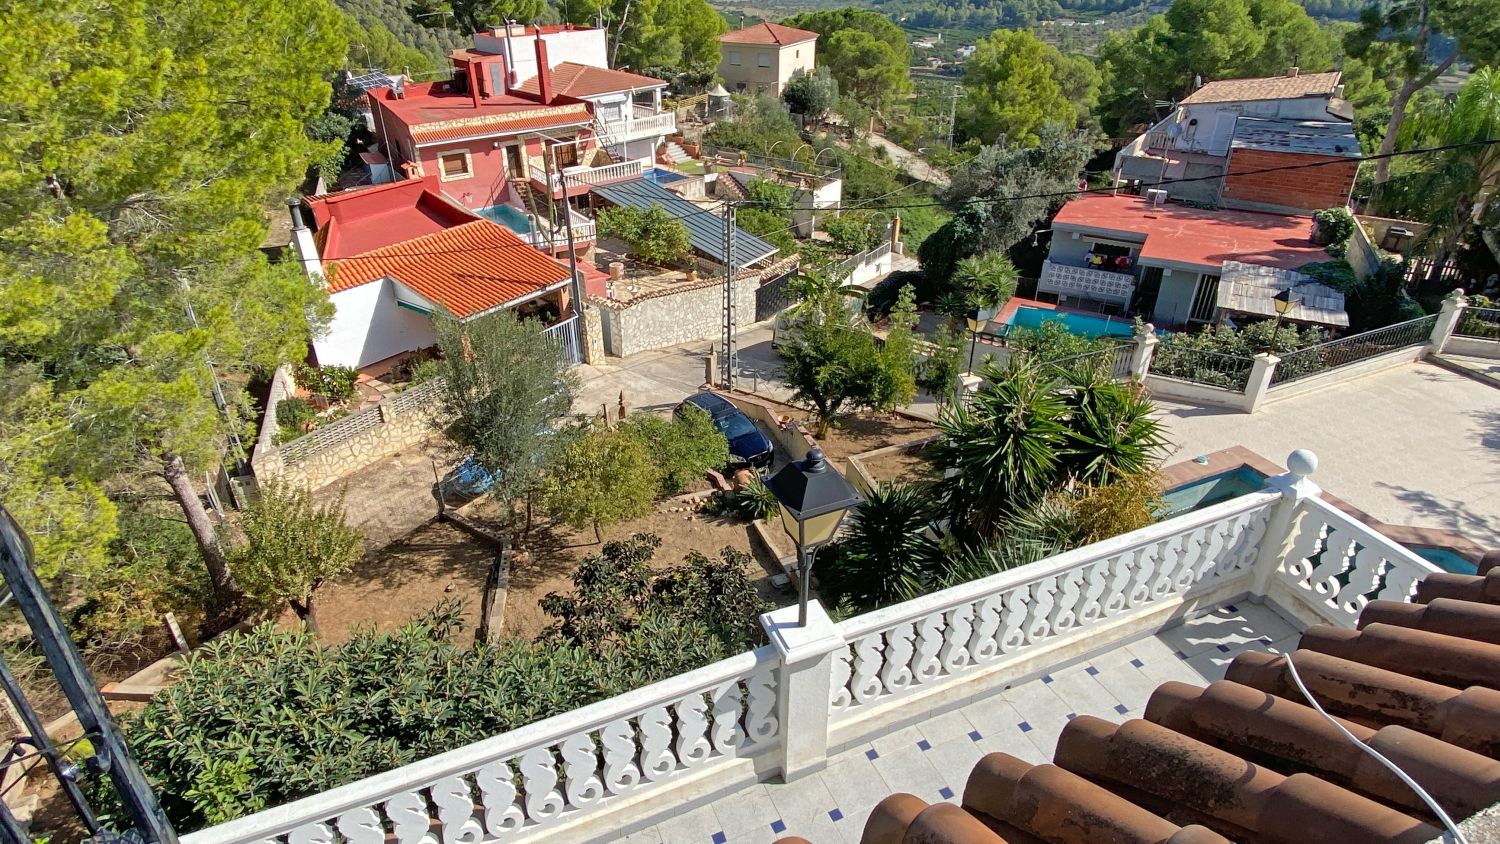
(351, 443)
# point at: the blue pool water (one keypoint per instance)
(506, 216)
(1086, 325)
(1212, 490)
(1449, 560)
(663, 177)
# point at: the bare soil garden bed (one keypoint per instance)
(899, 466)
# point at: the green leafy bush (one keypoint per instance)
(768, 226)
(601, 477)
(1051, 341)
(939, 373)
(260, 718)
(682, 448)
(154, 569)
(294, 413)
(1335, 227)
(771, 195)
(336, 383)
(653, 235)
(855, 231)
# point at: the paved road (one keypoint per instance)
(914, 165)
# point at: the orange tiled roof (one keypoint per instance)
(467, 269)
(492, 124)
(580, 80)
(768, 33)
(1266, 88)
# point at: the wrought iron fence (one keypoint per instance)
(1352, 349)
(1232, 372)
(1479, 322)
(1112, 362)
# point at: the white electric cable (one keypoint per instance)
(1452, 834)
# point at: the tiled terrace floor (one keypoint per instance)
(932, 759)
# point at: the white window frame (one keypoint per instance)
(468, 172)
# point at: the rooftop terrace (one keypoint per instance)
(804, 735)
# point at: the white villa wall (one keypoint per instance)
(580, 46)
(369, 326)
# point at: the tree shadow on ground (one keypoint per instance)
(1433, 511)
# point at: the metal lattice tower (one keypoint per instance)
(729, 350)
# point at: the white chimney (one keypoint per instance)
(303, 243)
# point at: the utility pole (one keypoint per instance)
(575, 289)
(728, 361)
(952, 115)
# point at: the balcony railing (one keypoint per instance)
(1085, 282)
(637, 126)
(780, 709)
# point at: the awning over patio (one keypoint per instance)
(1251, 289)
(705, 229)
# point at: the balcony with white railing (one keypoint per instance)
(782, 711)
(640, 124)
(1086, 282)
(581, 177)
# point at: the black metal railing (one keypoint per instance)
(1200, 366)
(1353, 349)
(1479, 322)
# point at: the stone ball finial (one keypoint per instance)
(1302, 463)
(1147, 329)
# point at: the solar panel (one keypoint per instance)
(370, 81)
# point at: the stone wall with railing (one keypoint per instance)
(600, 771)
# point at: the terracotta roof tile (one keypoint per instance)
(467, 269)
(501, 124)
(1266, 88)
(1246, 759)
(768, 33)
(580, 80)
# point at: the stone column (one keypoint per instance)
(1281, 529)
(1144, 351)
(1447, 321)
(806, 685)
(1260, 380)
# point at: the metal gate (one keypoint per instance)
(773, 297)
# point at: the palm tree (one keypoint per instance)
(1112, 431)
(982, 282)
(1452, 191)
(887, 555)
(1003, 450)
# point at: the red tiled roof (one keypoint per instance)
(768, 33)
(580, 80)
(1196, 237)
(1266, 88)
(1247, 759)
(356, 221)
(467, 269)
(432, 102)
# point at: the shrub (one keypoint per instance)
(602, 477)
(887, 554)
(154, 569)
(292, 547)
(771, 195)
(768, 226)
(653, 235)
(293, 412)
(1335, 227)
(938, 375)
(335, 383)
(682, 448)
(1050, 341)
(756, 501)
(855, 231)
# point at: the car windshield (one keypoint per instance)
(735, 425)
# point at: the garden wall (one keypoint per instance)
(680, 314)
(263, 462)
(791, 439)
(1172, 389)
(1472, 346)
(352, 443)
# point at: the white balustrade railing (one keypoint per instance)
(933, 640)
(780, 710)
(608, 173)
(1337, 564)
(639, 126)
(530, 781)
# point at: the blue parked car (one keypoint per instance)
(746, 442)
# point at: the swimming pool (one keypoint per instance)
(663, 177)
(505, 215)
(1212, 490)
(1086, 325)
(1448, 560)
